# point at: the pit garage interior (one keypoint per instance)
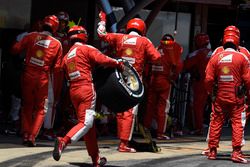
(181, 18)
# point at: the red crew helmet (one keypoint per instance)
(167, 39)
(231, 37)
(232, 29)
(201, 40)
(78, 32)
(136, 24)
(52, 21)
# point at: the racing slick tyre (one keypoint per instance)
(119, 91)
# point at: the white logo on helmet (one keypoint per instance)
(135, 23)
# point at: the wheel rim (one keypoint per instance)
(130, 79)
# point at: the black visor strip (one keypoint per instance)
(77, 32)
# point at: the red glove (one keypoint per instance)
(102, 16)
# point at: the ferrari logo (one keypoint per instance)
(128, 51)
(220, 56)
(125, 38)
(38, 38)
(225, 70)
(39, 53)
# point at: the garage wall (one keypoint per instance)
(76, 9)
(165, 23)
(14, 13)
(83, 10)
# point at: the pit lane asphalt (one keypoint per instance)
(179, 152)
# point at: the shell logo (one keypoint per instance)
(39, 53)
(225, 70)
(71, 66)
(128, 51)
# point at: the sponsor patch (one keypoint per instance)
(39, 53)
(36, 61)
(71, 66)
(72, 54)
(157, 68)
(225, 70)
(226, 59)
(226, 78)
(130, 41)
(128, 51)
(43, 43)
(74, 75)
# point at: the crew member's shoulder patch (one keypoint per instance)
(72, 53)
(44, 43)
(226, 59)
(130, 41)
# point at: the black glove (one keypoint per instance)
(120, 65)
